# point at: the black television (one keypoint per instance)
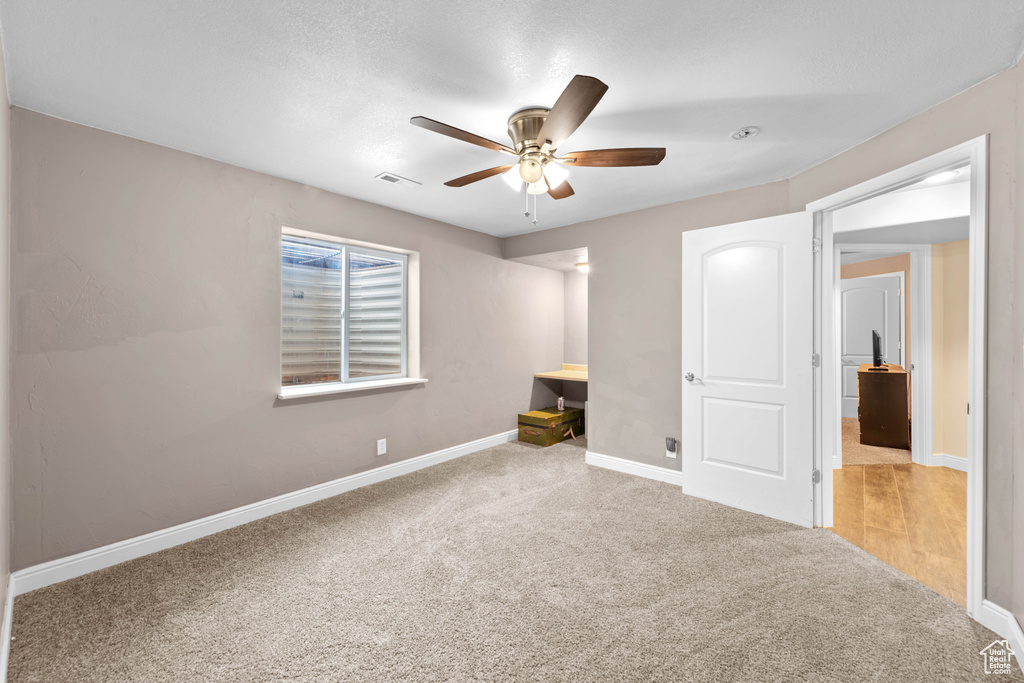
(876, 348)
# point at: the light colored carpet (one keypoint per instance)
(516, 563)
(856, 453)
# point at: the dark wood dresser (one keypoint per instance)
(883, 406)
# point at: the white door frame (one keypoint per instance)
(921, 431)
(827, 432)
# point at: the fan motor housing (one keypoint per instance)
(524, 127)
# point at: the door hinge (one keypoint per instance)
(816, 360)
(816, 244)
(968, 408)
(816, 477)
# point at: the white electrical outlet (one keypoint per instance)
(382, 446)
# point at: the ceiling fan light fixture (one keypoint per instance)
(531, 170)
(539, 187)
(555, 174)
(512, 178)
(536, 132)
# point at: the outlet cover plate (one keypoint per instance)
(382, 446)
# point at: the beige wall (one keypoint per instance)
(880, 266)
(146, 303)
(575, 318)
(635, 325)
(950, 318)
(5, 333)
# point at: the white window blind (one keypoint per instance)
(376, 305)
(312, 279)
(343, 312)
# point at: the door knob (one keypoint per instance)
(690, 378)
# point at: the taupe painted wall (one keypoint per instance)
(5, 333)
(635, 325)
(146, 308)
(575, 318)
(950, 320)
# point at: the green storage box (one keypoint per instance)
(550, 425)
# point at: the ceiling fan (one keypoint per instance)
(537, 132)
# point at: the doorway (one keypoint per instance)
(570, 381)
(833, 231)
(873, 302)
(908, 511)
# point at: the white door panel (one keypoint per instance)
(733, 279)
(757, 447)
(747, 342)
(866, 304)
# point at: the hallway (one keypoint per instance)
(911, 516)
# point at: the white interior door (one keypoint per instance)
(747, 345)
(866, 304)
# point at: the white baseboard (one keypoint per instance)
(48, 573)
(638, 469)
(5, 632)
(935, 460)
(1001, 621)
(945, 460)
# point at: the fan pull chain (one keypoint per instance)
(535, 221)
(527, 212)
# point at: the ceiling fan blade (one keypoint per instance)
(634, 156)
(562, 191)
(573, 106)
(459, 134)
(479, 175)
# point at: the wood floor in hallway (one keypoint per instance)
(911, 516)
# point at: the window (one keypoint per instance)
(343, 313)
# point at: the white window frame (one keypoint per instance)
(409, 325)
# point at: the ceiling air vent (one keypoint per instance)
(395, 179)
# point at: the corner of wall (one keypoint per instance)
(575, 318)
(5, 363)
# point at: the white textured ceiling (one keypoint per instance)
(564, 261)
(321, 91)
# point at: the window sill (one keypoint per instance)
(339, 388)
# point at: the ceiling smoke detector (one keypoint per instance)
(744, 133)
